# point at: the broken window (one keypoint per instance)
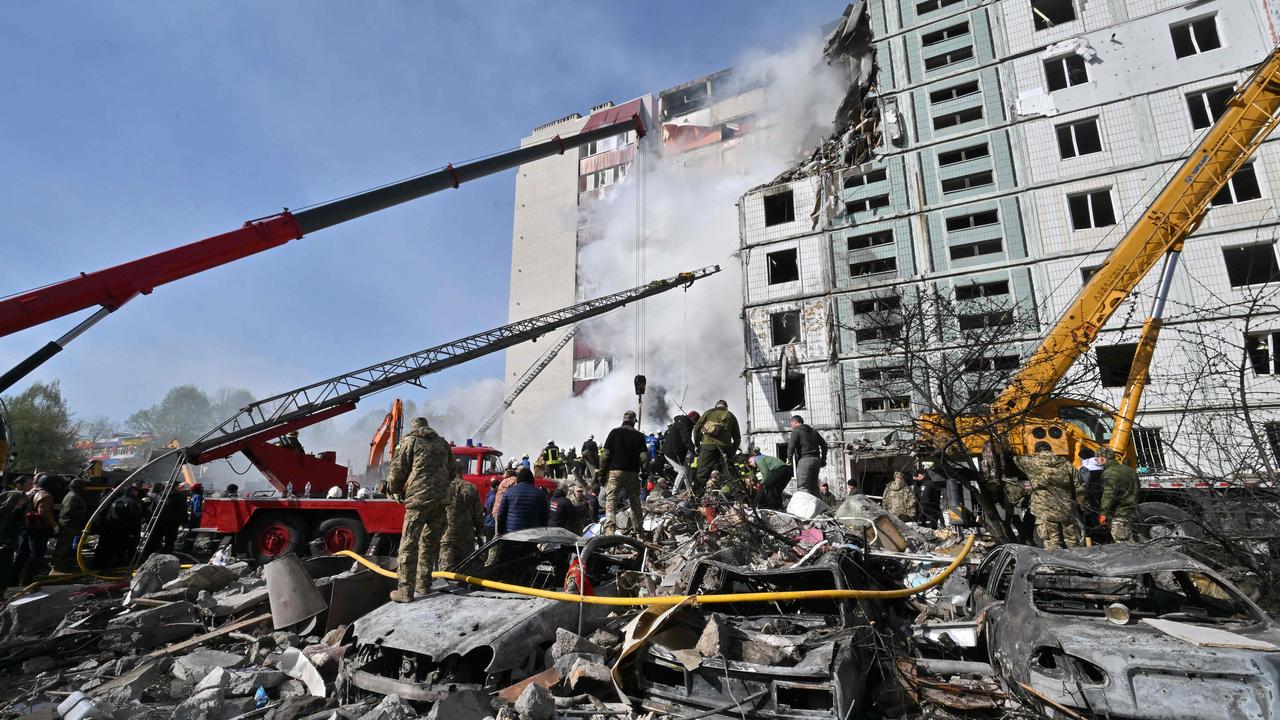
(976, 290)
(978, 321)
(789, 393)
(878, 374)
(783, 266)
(1066, 71)
(1149, 447)
(929, 6)
(880, 304)
(872, 267)
(884, 404)
(877, 333)
(875, 239)
(973, 220)
(1241, 187)
(968, 250)
(784, 327)
(591, 368)
(1195, 37)
(685, 100)
(1047, 13)
(958, 117)
(1251, 264)
(779, 208)
(866, 204)
(954, 92)
(973, 152)
(951, 57)
(1261, 349)
(946, 33)
(991, 364)
(1079, 138)
(866, 178)
(1114, 362)
(971, 181)
(1091, 210)
(1208, 105)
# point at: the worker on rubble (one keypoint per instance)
(622, 458)
(464, 524)
(591, 457)
(173, 515)
(1119, 497)
(119, 533)
(39, 525)
(421, 470)
(677, 448)
(13, 510)
(773, 477)
(1056, 490)
(523, 505)
(195, 511)
(553, 461)
(569, 508)
(826, 496)
(899, 499)
(72, 516)
(291, 442)
(717, 436)
(807, 450)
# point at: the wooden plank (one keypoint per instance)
(201, 639)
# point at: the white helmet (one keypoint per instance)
(335, 492)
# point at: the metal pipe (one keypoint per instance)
(938, 666)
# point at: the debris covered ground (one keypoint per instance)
(1014, 631)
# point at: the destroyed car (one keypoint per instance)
(1125, 631)
(464, 637)
(785, 659)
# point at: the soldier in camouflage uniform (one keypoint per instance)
(420, 473)
(1119, 496)
(717, 436)
(1056, 490)
(900, 499)
(464, 523)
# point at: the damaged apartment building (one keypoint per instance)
(998, 151)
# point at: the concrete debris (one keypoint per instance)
(193, 667)
(203, 577)
(154, 572)
(568, 641)
(464, 705)
(535, 703)
(391, 708)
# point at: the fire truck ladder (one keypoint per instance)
(525, 380)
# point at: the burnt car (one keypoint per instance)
(1125, 631)
(461, 636)
(786, 659)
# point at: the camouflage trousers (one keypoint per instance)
(454, 551)
(1057, 534)
(623, 486)
(420, 545)
(1121, 529)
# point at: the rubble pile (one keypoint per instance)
(730, 611)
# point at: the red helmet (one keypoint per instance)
(693, 415)
(197, 487)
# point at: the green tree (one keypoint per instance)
(44, 431)
(229, 401)
(184, 414)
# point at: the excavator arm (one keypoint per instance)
(386, 436)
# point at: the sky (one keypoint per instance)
(133, 127)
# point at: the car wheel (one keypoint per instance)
(342, 533)
(1159, 519)
(276, 535)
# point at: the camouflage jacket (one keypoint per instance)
(464, 516)
(1119, 490)
(717, 427)
(422, 468)
(900, 500)
(1056, 488)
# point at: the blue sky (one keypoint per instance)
(132, 127)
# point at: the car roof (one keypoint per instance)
(1115, 559)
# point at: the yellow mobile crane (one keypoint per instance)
(1027, 413)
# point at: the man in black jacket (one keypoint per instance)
(622, 457)
(808, 451)
(677, 447)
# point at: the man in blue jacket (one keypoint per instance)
(523, 506)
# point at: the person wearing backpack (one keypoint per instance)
(717, 436)
(39, 525)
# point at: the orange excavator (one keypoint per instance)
(384, 442)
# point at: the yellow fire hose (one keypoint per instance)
(671, 600)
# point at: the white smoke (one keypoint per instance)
(693, 340)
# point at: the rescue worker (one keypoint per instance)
(72, 515)
(580, 516)
(464, 524)
(38, 528)
(173, 515)
(808, 451)
(291, 441)
(900, 500)
(717, 436)
(826, 496)
(927, 487)
(677, 448)
(591, 457)
(1056, 490)
(1119, 497)
(622, 458)
(773, 478)
(554, 460)
(119, 534)
(523, 505)
(13, 510)
(420, 473)
(195, 511)
(566, 511)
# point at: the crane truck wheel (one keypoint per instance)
(342, 533)
(1161, 519)
(276, 534)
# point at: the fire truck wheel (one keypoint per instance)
(342, 533)
(271, 536)
(1159, 519)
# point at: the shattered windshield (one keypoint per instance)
(531, 564)
(1184, 595)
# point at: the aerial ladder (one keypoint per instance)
(525, 380)
(251, 430)
(1027, 414)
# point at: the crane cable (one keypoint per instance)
(673, 600)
